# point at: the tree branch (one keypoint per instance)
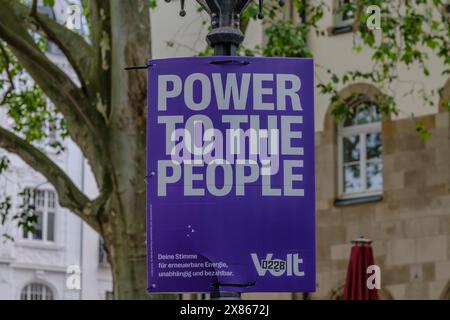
(12, 30)
(75, 48)
(5, 56)
(68, 194)
(99, 20)
(86, 126)
(7, 65)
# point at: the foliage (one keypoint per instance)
(279, 34)
(31, 115)
(5, 206)
(31, 112)
(411, 32)
(26, 218)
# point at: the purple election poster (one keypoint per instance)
(230, 175)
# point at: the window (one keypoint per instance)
(36, 291)
(102, 259)
(109, 295)
(346, 13)
(446, 9)
(360, 152)
(51, 143)
(52, 134)
(44, 202)
(344, 16)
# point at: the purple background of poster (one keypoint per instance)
(229, 228)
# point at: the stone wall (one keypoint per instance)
(410, 226)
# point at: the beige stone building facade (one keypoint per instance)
(409, 223)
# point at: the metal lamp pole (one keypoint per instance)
(225, 37)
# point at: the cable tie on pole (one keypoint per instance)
(139, 67)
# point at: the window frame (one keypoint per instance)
(102, 255)
(361, 131)
(46, 291)
(338, 21)
(109, 295)
(45, 210)
(446, 8)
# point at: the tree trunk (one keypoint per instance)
(125, 227)
(127, 254)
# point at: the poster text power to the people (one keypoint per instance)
(230, 175)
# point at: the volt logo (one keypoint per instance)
(278, 267)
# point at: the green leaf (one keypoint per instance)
(334, 78)
(423, 132)
(49, 3)
(446, 105)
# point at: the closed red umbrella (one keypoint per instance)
(361, 257)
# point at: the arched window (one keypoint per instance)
(36, 291)
(360, 151)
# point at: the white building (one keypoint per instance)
(63, 251)
(38, 265)
(35, 265)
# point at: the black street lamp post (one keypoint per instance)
(225, 35)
